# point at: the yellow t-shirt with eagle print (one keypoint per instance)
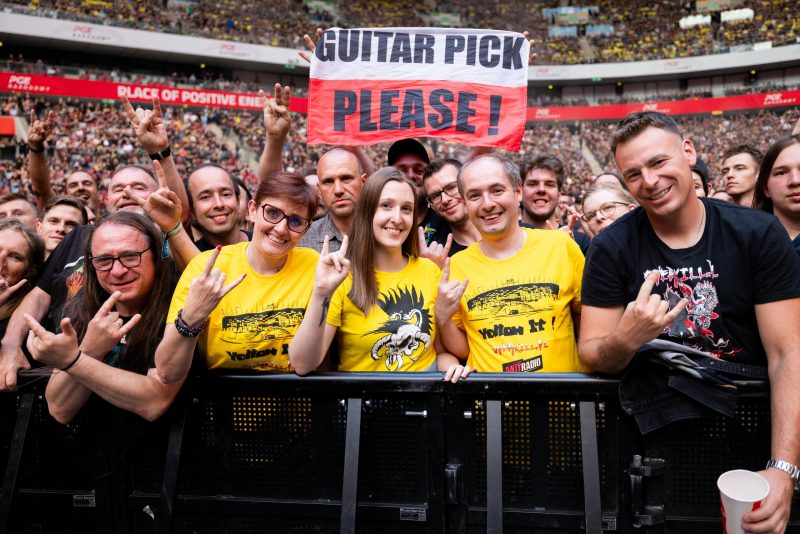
(397, 335)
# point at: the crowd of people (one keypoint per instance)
(641, 32)
(164, 255)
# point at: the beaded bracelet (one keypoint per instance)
(184, 329)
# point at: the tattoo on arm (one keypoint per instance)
(326, 303)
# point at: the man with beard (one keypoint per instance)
(440, 184)
(83, 186)
(214, 204)
(63, 276)
(543, 178)
(340, 181)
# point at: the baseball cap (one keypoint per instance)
(407, 146)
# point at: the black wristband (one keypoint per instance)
(158, 156)
(73, 362)
(35, 150)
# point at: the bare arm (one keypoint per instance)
(38, 170)
(277, 121)
(448, 300)
(144, 395)
(174, 353)
(611, 336)
(36, 303)
(151, 132)
(782, 346)
(314, 335)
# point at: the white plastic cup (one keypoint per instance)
(740, 491)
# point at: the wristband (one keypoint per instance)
(158, 156)
(184, 329)
(73, 362)
(175, 231)
(34, 150)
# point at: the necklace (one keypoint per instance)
(699, 233)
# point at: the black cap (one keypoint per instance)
(407, 146)
(701, 168)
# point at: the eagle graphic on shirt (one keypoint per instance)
(407, 330)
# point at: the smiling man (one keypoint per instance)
(701, 273)
(62, 214)
(214, 204)
(519, 310)
(440, 184)
(340, 182)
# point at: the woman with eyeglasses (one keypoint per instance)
(241, 304)
(382, 313)
(602, 205)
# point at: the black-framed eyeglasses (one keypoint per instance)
(274, 215)
(451, 190)
(129, 260)
(605, 210)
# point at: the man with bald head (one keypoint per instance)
(340, 181)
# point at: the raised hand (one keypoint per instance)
(332, 268)
(148, 125)
(7, 291)
(310, 44)
(645, 318)
(277, 119)
(531, 42)
(40, 130)
(55, 350)
(206, 291)
(106, 329)
(436, 252)
(162, 206)
(448, 298)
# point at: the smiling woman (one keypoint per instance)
(248, 322)
(21, 259)
(382, 315)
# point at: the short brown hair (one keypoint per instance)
(290, 186)
(635, 123)
(544, 161)
(754, 152)
(66, 200)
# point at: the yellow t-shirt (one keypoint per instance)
(398, 333)
(252, 326)
(517, 310)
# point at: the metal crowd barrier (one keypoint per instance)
(367, 453)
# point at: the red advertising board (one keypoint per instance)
(11, 82)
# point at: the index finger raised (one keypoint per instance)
(647, 286)
(110, 302)
(126, 105)
(37, 329)
(157, 107)
(446, 270)
(211, 260)
(160, 176)
(448, 244)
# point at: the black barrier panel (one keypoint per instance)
(377, 453)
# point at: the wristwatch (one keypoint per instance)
(158, 156)
(788, 468)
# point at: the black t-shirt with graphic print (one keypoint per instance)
(742, 259)
(63, 275)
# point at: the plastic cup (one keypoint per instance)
(740, 491)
